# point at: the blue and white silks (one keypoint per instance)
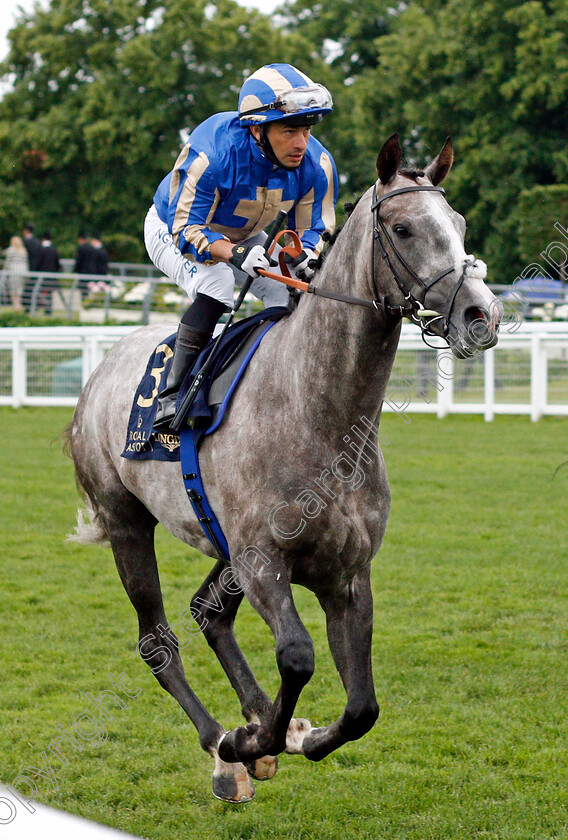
(222, 186)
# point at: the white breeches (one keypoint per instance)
(217, 280)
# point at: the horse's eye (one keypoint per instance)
(401, 231)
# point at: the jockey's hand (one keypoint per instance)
(250, 259)
(304, 265)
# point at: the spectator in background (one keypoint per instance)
(33, 247)
(85, 262)
(48, 262)
(16, 269)
(101, 256)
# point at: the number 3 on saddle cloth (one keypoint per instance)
(206, 414)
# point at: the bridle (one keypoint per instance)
(412, 308)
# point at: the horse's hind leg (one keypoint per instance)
(214, 606)
(130, 528)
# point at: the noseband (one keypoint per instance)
(412, 308)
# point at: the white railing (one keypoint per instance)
(49, 365)
(119, 298)
(527, 373)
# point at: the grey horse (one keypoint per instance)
(294, 473)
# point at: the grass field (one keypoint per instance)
(470, 654)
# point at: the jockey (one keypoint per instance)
(236, 172)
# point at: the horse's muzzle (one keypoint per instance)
(478, 331)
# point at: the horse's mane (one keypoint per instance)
(330, 238)
(349, 207)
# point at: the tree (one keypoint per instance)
(104, 87)
(492, 74)
(544, 210)
(345, 33)
(102, 90)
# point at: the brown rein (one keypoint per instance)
(294, 250)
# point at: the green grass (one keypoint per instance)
(470, 654)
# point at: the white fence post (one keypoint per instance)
(19, 372)
(445, 369)
(92, 355)
(489, 388)
(538, 377)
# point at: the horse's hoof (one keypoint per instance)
(297, 731)
(233, 790)
(263, 768)
(231, 782)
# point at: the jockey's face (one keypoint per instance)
(289, 143)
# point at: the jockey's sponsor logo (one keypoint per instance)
(164, 236)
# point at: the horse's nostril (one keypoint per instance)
(476, 315)
(478, 325)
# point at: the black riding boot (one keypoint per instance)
(189, 343)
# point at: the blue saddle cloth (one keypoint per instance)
(231, 359)
(142, 443)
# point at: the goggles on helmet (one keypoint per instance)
(295, 100)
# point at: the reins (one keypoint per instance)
(293, 250)
(302, 286)
(412, 308)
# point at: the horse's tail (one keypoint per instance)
(89, 529)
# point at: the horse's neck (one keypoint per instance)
(339, 356)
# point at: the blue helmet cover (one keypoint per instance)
(263, 89)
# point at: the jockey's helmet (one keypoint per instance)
(281, 93)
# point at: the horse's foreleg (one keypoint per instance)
(132, 541)
(270, 594)
(349, 628)
(214, 608)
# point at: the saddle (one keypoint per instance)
(206, 413)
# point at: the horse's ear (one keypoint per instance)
(388, 159)
(437, 170)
